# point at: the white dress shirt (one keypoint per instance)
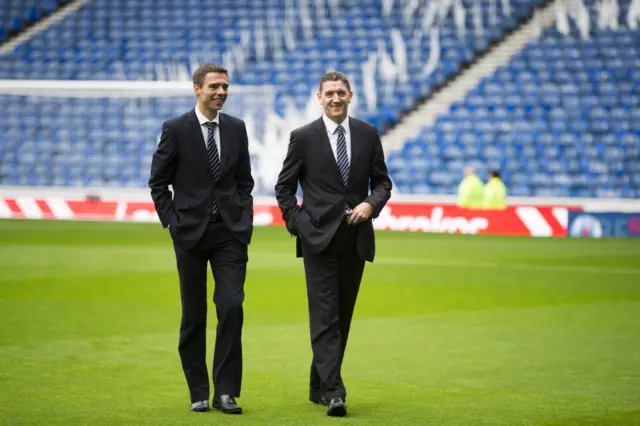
(333, 135)
(205, 130)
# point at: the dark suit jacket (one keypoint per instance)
(311, 162)
(181, 160)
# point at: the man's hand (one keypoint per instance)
(361, 213)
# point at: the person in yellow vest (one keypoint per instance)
(470, 190)
(495, 193)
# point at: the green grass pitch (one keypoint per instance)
(448, 330)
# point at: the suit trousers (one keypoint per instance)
(333, 279)
(228, 259)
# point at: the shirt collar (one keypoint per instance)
(332, 125)
(203, 120)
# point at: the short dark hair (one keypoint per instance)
(201, 72)
(494, 173)
(335, 76)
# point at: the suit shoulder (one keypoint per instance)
(364, 125)
(234, 121)
(174, 122)
(303, 130)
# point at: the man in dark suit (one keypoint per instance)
(204, 155)
(337, 160)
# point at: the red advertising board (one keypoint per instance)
(544, 221)
(540, 221)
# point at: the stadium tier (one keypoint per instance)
(15, 15)
(126, 40)
(559, 119)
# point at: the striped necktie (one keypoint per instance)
(343, 158)
(214, 158)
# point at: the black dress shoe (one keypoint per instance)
(336, 407)
(200, 406)
(227, 405)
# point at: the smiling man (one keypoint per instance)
(339, 163)
(204, 155)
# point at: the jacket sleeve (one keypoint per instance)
(163, 168)
(244, 178)
(379, 181)
(287, 184)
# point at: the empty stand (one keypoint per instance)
(561, 119)
(117, 39)
(15, 15)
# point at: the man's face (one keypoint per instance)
(335, 98)
(213, 92)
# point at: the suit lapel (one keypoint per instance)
(355, 146)
(226, 148)
(195, 135)
(325, 148)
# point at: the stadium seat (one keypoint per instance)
(562, 115)
(15, 15)
(560, 118)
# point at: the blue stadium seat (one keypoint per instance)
(116, 39)
(561, 119)
(15, 15)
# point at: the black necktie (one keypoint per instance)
(343, 158)
(214, 158)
